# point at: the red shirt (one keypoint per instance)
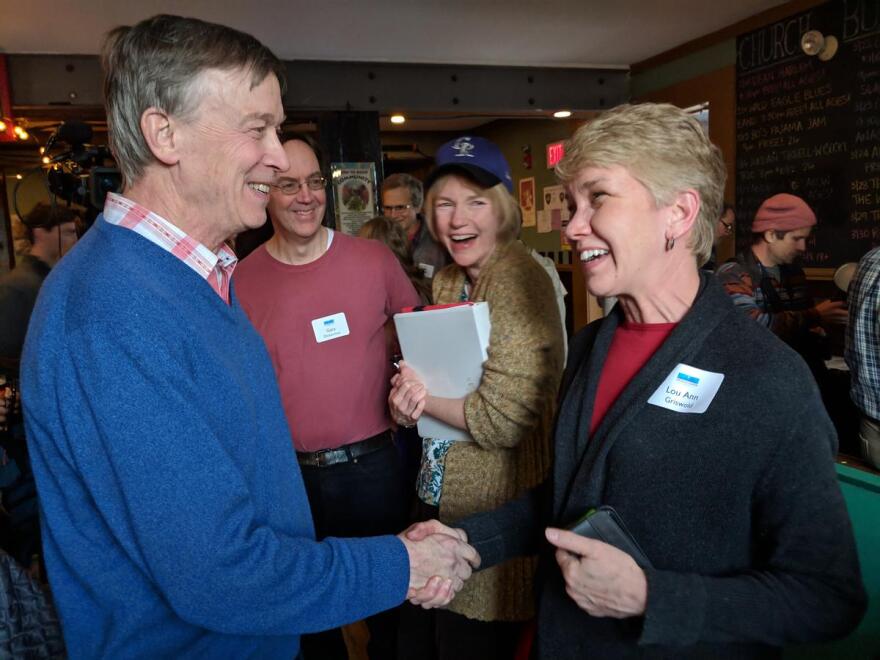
(334, 392)
(632, 346)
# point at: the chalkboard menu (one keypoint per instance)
(812, 128)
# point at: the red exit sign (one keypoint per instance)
(555, 152)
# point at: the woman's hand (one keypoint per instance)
(599, 578)
(407, 397)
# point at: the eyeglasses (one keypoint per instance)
(399, 208)
(728, 226)
(292, 186)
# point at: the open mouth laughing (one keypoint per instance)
(588, 256)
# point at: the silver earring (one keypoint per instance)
(670, 243)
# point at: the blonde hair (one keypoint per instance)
(503, 203)
(662, 147)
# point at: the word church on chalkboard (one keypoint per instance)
(812, 128)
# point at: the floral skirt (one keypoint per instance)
(429, 484)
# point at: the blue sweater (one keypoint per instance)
(174, 517)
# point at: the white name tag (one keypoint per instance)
(687, 390)
(330, 327)
(427, 270)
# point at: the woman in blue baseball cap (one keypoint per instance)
(471, 212)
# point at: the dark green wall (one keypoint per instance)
(511, 135)
(684, 68)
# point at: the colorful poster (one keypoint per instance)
(354, 194)
(527, 201)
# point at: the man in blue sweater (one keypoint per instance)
(174, 516)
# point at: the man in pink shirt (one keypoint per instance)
(321, 301)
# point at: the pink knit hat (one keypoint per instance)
(783, 212)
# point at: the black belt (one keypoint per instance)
(326, 457)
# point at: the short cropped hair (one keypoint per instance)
(46, 216)
(156, 63)
(509, 216)
(662, 147)
(306, 139)
(402, 180)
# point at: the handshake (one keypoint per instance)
(440, 560)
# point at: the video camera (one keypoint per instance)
(82, 173)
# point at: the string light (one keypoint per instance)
(18, 132)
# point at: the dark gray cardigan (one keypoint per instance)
(738, 508)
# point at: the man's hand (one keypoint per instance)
(407, 397)
(832, 311)
(601, 579)
(422, 530)
(439, 565)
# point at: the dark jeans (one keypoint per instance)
(18, 495)
(362, 498)
(444, 635)
(409, 446)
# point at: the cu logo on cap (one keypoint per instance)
(464, 147)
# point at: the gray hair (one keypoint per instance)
(416, 190)
(156, 63)
(662, 147)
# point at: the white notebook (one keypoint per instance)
(446, 347)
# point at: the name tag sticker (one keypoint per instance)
(687, 390)
(330, 327)
(427, 270)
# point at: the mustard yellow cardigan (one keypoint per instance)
(509, 416)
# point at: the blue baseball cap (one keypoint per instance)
(477, 158)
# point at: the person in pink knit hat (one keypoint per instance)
(766, 282)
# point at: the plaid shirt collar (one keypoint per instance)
(215, 268)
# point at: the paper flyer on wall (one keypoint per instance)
(527, 201)
(354, 194)
(556, 205)
(543, 222)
